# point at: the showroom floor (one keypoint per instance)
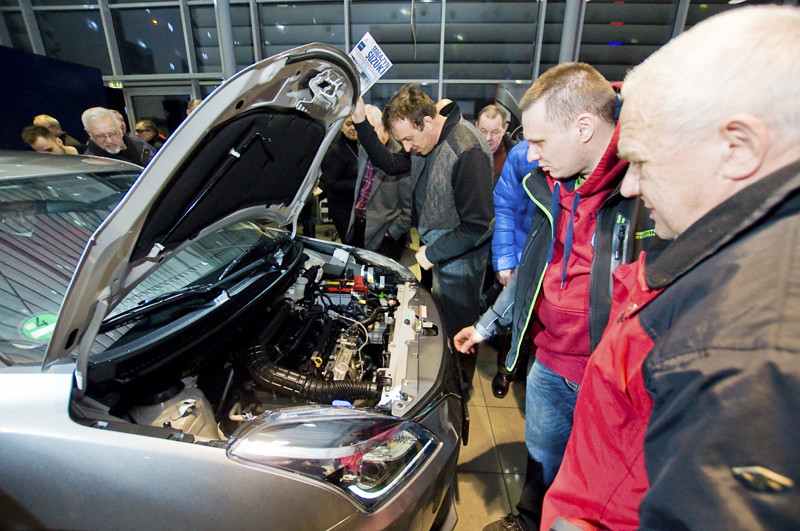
(491, 468)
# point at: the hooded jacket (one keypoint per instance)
(564, 343)
(512, 209)
(455, 215)
(577, 238)
(688, 413)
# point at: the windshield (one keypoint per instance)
(205, 271)
(45, 223)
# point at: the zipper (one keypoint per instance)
(549, 216)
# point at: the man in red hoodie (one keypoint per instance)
(582, 229)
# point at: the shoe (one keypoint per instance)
(509, 523)
(500, 383)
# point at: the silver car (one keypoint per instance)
(178, 358)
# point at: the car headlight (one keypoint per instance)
(364, 453)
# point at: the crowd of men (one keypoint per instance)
(643, 238)
(631, 232)
(107, 134)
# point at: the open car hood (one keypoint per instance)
(251, 150)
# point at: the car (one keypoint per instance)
(180, 358)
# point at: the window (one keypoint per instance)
(151, 40)
(284, 26)
(411, 45)
(75, 36)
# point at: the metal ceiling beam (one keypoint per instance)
(537, 46)
(222, 10)
(680, 17)
(571, 31)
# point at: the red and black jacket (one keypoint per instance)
(688, 416)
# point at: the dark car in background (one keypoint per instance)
(186, 361)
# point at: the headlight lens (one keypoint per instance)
(364, 453)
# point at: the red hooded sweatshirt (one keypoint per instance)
(563, 306)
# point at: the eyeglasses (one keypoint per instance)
(106, 136)
(496, 132)
(140, 131)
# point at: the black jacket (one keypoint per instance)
(338, 180)
(471, 186)
(136, 151)
(724, 371)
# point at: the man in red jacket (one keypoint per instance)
(688, 413)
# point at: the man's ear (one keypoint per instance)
(505, 128)
(746, 140)
(426, 121)
(585, 124)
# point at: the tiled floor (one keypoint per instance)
(491, 468)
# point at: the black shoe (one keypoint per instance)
(500, 383)
(509, 523)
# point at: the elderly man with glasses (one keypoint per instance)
(106, 138)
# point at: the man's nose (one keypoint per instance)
(407, 146)
(630, 183)
(533, 154)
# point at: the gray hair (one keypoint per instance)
(741, 61)
(95, 114)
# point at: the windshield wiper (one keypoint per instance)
(265, 247)
(199, 294)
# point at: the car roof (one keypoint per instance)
(22, 164)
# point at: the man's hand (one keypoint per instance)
(466, 340)
(504, 275)
(359, 112)
(423, 261)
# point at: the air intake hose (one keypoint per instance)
(288, 381)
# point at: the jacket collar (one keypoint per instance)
(725, 222)
(453, 114)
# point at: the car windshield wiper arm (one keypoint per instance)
(262, 248)
(201, 293)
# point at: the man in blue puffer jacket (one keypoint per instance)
(512, 221)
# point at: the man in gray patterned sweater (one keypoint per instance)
(451, 187)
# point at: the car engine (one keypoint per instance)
(340, 331)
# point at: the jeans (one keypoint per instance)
(457, 290)
(549, 409)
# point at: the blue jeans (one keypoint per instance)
(549, 409)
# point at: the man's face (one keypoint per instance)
(559, 152)
(144, 134)
(417, 141)
(492, 130)
(349, 130)
(679, 184)
(43, 144)
(106, 134)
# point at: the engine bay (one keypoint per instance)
(333, 329)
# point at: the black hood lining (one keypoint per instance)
(257, 158)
